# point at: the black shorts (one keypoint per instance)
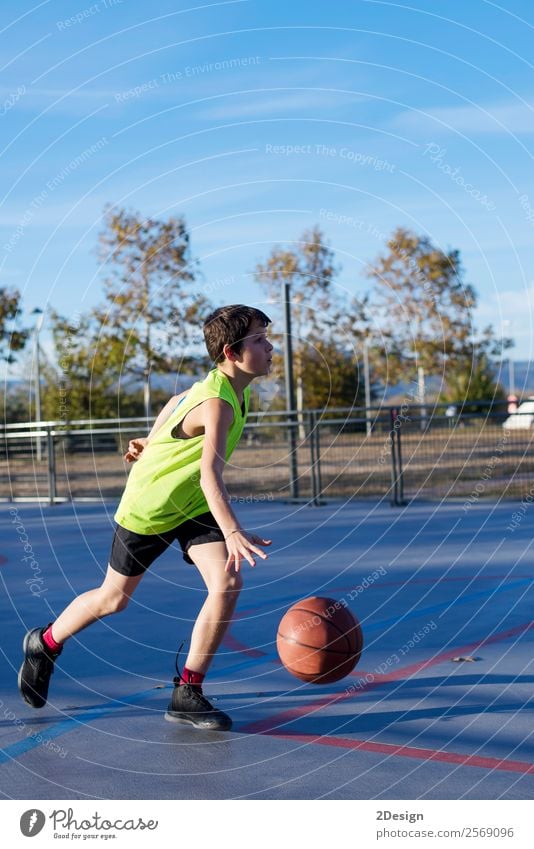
(132, 554)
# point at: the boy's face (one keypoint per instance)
(255, 357)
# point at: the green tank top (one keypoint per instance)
(163, 487)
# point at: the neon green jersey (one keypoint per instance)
(163, 488)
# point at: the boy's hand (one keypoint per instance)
(243, 546)
(135, 448)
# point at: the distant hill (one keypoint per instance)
(523, 383)
(523, 377)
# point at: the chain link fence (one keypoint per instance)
(397, 453)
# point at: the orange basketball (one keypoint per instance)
(319, 640)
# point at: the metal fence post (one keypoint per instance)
(392, 419)
(310, 424)
(293, 473)
(51, 452)
(292, 424)
(397, 483)
(315, 459)
(400, 485)
(318, 460)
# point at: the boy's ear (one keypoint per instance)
(229, 353)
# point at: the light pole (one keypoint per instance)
(507, 325)
(366, 378)
(37, 329)
(511, 375)
(421, 390)
(290, 390)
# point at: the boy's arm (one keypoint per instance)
(138, 444)
(218, 417)
(166, 413)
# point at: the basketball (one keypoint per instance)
(319, 640)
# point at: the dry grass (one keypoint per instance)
(440, 463)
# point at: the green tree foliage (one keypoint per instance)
(151, 313)
(355, 331)
(13, 337)
(147, 323)
(423, 308)
(331, 377)
(82, 384)
(14, 402)
(308, 266)
(425, 317)
(473, 380)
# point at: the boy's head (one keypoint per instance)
(230, 326)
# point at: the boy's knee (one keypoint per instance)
(236, 582)
(230, 584)
(114, 604)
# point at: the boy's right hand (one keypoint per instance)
(135, 448)
(242, 546)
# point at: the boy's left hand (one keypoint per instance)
(135, 448)
(242, 546)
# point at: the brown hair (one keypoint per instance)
(229, 326)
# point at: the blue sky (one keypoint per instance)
(256, 120)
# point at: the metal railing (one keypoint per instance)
(397, 453)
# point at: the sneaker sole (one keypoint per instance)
(183, 720)
(19, 679)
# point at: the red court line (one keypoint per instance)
(413, 752)
(269, 724)
(2, 559)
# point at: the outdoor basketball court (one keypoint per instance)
(429, 583)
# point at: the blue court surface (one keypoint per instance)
(430, 583)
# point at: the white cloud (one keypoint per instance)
(511, 312)
(511, 117)
(260, 102)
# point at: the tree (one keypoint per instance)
(81, 384)
(474, 377)
(354, 330)
(308, 268)
(13, 337)
(425, 311)
(151, 314)
(15, 404)
(475, 381)
(330, 377)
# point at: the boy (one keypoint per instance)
(176, 491)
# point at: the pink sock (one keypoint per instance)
(191, 677)
(49, 641)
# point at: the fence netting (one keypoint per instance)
(313, 456)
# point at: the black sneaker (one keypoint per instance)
(35, 672)
(189, 705)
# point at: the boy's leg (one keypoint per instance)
(110, 597)
(217, 611)
(131, 555)
(188, 703)
(38, 665)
